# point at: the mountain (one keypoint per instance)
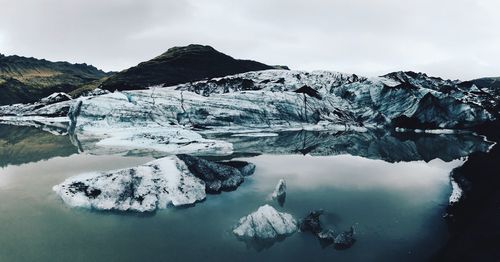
(181, 65)
(26, 79)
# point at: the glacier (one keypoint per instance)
(171, 119)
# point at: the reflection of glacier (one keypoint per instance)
(25, 144)
(388, 146)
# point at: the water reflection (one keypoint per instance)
(260, 245)
(22, 144)
(376, 144)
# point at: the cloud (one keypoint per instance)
(453, 39)
(2, 42)
(91, 30)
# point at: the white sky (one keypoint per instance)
(457, 39)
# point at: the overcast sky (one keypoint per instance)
(457, 39)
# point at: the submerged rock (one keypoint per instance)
(345, 239)
(218, 176)
(148, 187)
(279, 193)
(266, 224)
(311, 222)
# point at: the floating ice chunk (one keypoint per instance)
(265, 223)
(280, 189)
(279, 193)
(152, 186)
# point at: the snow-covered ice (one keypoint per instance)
(148, 187)
(265, 223)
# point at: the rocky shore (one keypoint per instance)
(473, 220)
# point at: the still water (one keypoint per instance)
(396, 208)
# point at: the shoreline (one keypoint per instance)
(474, 233)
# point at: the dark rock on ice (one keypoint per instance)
(218, 176)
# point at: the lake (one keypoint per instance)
(393, 188)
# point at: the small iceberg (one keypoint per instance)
(170, 181)
(265, 225)
(148, 187)
(279, 193)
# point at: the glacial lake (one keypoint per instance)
(393, 189)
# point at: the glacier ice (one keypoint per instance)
(148, 187)
(174, 180)
(265, 223)
(279, 193)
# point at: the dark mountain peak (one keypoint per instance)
(192, 49)
(181, 65)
